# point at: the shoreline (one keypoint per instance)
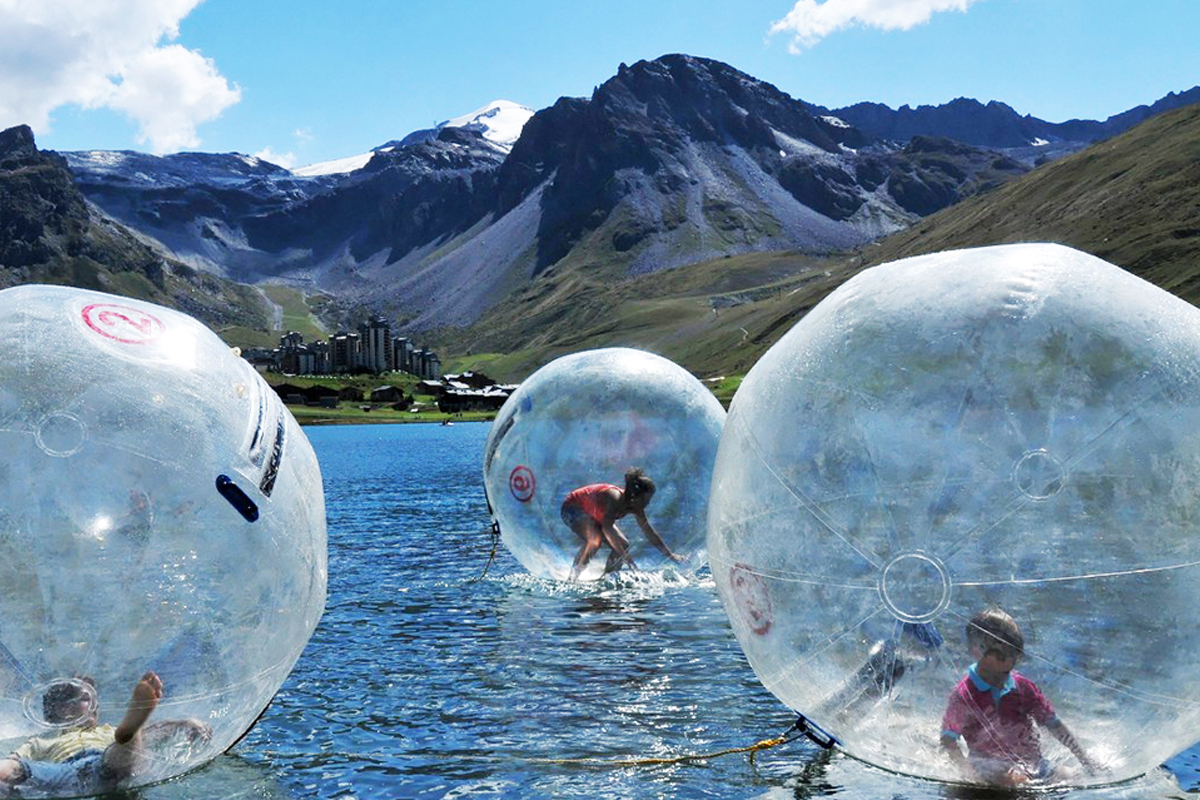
(368, 419)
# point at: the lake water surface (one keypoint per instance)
(429, 679)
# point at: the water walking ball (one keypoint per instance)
(160, 510)
(586, 419)
(1013, 426)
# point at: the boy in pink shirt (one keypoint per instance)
(994, 710)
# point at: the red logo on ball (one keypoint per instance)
(123, 323)
(521, 483)
(752, 599)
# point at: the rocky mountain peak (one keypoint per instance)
(713, 102)
(17, 144)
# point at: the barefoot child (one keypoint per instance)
(86, 758)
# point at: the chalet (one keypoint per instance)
(387, 394)
(290, 394)
(307, 395)
(434, 388)
(453, 401)
(322, 396)
(472, 380)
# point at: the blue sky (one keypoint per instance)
(305, 81)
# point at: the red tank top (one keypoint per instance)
(590, 499)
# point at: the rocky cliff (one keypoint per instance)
(50, 234)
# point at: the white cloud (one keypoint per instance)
(285, 160)
(108, 54)
(811, 21)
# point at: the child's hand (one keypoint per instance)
(1015, 776)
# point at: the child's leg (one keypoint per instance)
(620, 551)
(588, 530)
(122, 756)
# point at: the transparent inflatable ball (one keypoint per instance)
(161, 512)
(578, 426)
(1013, 428)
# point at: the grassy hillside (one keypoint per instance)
(710, 317)
(294, 312)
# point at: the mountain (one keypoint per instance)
(1133, 200)
(50, 234)
(403, 203)
(670, 162)
(481, 241)
(997, 125)
(192, 203)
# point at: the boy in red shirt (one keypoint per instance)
(994, 708)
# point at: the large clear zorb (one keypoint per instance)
(159, 510)
(1016, 426)
(584, 419)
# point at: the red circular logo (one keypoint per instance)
(521, 483)
(123, 323)
(752, 599)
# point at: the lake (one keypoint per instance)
(436, 674)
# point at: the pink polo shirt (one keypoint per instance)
(998, 723)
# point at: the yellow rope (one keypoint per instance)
(645, 762)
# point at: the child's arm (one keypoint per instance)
(950, 745)
(1063, 735)
(617, 541)
(655, 539)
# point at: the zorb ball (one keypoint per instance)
(585, 419)
(159, 510)
(1013, 426)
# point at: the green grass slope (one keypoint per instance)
(711, 317)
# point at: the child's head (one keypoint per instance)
(994, 630)
(639, 488)
(69, 702)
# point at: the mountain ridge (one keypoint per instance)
(1132, 200)
(499, 122)
(669, 162)
(996, 124)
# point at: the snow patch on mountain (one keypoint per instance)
(499, 123)
(791, 146)
(335, 167)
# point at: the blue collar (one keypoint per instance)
(995, 691)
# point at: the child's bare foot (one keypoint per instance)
(146, 694)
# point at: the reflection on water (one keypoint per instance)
(423, 682)
(228, 777)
